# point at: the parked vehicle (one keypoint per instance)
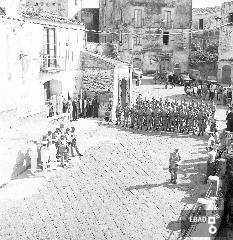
(137, 72)
(184, 79)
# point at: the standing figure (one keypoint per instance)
(118, 114)
(210, 163)
(148, 118)
(53, 154)
(74, 147)
(229, 119)
(174, 162)
(33, 154)
(126, 115)
(44, 155)
(63, 150)
(75, 109)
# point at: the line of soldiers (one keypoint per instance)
(167, 115)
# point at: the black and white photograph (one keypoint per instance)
(116, 120)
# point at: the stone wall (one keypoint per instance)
(146, 40)
(90, 17)
(225, 51)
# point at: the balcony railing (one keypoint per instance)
(49, 64)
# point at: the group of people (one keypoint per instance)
(75, 107)
(167, 115)
(210, 92)
(59, 145)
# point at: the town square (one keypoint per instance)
(116, 120)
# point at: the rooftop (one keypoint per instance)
(36, 14)
(113, 61)
(207, 10)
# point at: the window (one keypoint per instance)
(137, 40)
(230, 20)
(201, 23)
(105, 39)
(165, 38)
(50, 46)
(138, 18)
(104, 18)
(121, 15)
(168, 19)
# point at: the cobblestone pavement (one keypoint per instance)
(119, 190)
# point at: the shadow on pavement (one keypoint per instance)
(154, 133)
(190, 180)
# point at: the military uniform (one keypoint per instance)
(148, 113)
(174, 162)
(126, 115)
(118, 114)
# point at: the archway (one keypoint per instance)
(52, 87)
(226, 74)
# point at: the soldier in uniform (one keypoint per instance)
(148, 113)
(133, 117)
(155, 118)
(174, 162)
(140, 117)
(164, 119)
(118, 114)
(126, 115)
(181, 119)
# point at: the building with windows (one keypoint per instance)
(62, 8)
(153, 35)
(90, 17)
(205, 37)
(225, 50)
(40, 58)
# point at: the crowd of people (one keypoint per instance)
(58, 146)
(210, 92)
(167, 115)
(75, 107)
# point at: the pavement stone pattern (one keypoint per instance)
(118, 190)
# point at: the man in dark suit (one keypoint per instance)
(230, 120)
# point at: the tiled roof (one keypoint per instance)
(31, 13)
(115, 62)
(216, 9)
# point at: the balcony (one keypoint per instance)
(49, 64)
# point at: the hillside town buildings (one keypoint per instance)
(63, 8)
(153, 35)
(205, 35)
(225, 53)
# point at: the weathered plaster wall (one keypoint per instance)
(211, 17)
(119, 16)
(90, 17)
(63, 8)
(225, 42)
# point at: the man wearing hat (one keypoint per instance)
(174, 162)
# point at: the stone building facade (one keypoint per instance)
(225, 62)
(90, 17)
(39, 58)
(153, 35)
(106, 77)
(62, 8)
(205, 32)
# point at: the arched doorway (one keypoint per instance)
(226, 74)
(52, 87)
